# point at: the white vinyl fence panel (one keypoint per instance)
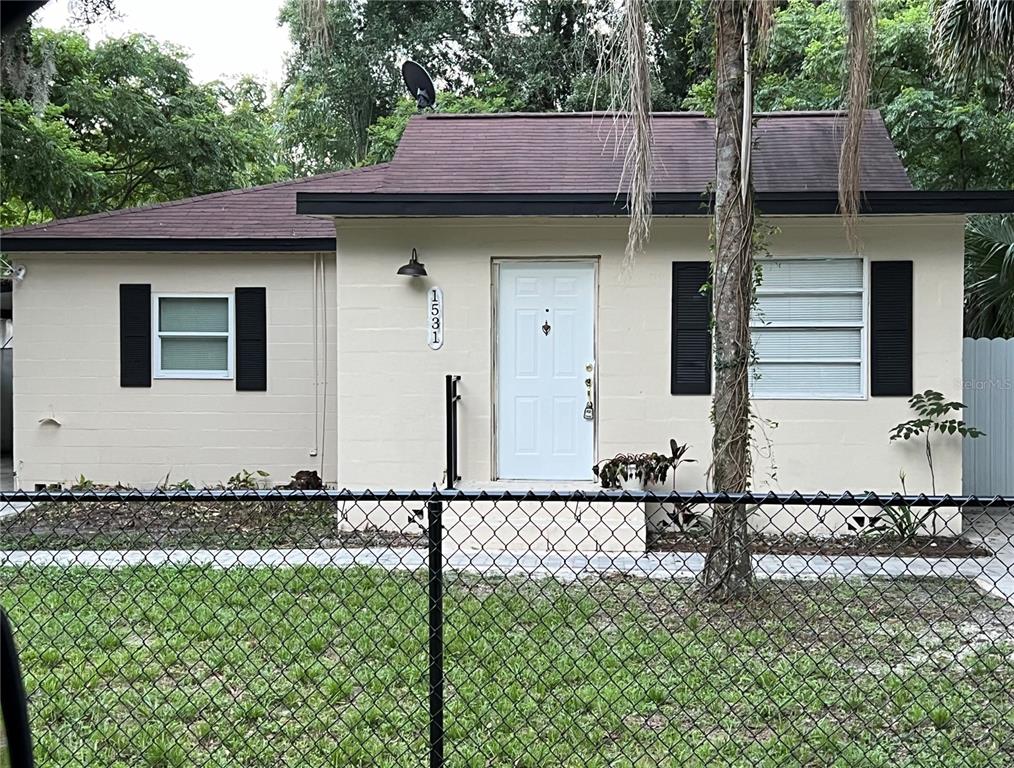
(989, 395)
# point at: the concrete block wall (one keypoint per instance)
(66, 366)
(390, 401)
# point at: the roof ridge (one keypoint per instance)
(184, 200)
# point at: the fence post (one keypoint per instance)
(435, 534)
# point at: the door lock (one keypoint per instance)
(589, 409)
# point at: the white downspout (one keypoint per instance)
(323, 380)
(336, 463)
(316, 378)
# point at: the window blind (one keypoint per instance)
(807, 329)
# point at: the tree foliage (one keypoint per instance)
(949, 136)
(383, 136)
(974, 40)
(122, 124)
(540, 55)
(333, 93)
(989, 277)
(516, 55)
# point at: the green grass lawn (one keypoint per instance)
(321, 667)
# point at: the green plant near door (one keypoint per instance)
(933, 414)
(648, 468)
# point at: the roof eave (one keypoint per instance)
(176, 244)
(805, 202)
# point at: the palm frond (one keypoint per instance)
(313, 15)
(989, 277)
(974, 38)
(626, 66)
(860, 23)
(763, 13)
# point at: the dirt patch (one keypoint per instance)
(283, 523)
(188, 525)
(764, 544)
(830, 613)
(653, 722)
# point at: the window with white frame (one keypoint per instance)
(193, 336)
(808, 329)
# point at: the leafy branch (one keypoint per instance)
(648, 468)
(933, 415)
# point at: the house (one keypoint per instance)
(272, 328)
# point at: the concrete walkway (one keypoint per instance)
(994, 529)
(993, 575)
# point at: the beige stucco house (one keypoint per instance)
(270, 328)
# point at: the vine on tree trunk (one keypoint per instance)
(728, 571)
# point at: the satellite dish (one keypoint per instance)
(419, 84)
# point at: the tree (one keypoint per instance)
(545, 56)
(974, 39)
(727, 571)
(18, 72)
(949, 135)
(989, 277)
(344, 71)
(742, 32)
(952, 130)
(343, 76)
(123, 124)
(974, 44)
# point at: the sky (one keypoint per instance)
(226, 38)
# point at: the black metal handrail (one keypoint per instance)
(451, 405)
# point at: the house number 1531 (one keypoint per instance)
(435, 318)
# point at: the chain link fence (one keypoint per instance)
(270, 628)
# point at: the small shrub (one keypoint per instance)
(245, 480)
(82, 484)
(181, 485)
(931, 409)
(903, 521)
(649, 468)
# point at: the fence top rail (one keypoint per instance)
(794, 499)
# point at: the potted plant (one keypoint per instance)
(638, 471)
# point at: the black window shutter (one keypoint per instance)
(251, 340)
(891, 328)
(691, 329)
(135, 335)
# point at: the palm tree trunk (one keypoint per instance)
(727, 571)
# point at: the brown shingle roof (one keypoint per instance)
(557, 153)
(583, 153)
(266, 212)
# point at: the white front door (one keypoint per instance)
(545, 355)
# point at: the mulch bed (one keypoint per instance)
(189, 525)
(765, 544)
(264, 524)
